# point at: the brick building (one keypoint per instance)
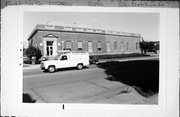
(51, 39)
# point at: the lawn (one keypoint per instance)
(143, 75)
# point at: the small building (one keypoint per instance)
(51, 39)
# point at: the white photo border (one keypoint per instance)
(20, 108)
(117, 10)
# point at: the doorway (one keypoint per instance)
(49, 48)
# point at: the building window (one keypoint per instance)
(68, 45)
(90, 48)
(127, 45)
(108, 46)
(137, 45)
(84, 29)
(59, 27)
(122, 46)
(115, 46)
(74, 29)
(80, 46)
(99, 46)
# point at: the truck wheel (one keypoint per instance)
(51, 69)
(80, 66)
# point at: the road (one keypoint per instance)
(36, 77)
(90, 85)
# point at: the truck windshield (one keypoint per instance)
(57, 57)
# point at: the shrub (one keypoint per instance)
(115, 56)
(33, 51)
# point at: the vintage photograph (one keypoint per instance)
(91, 57)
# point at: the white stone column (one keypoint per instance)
(44, 46)
(55, 48)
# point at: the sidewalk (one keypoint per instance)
(106, 92)
(29, 66)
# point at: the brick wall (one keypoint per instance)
(85, 38)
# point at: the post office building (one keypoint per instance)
(52, 39)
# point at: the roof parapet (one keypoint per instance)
(81, 29)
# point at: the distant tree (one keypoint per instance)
(33, 51)
(143, 46)
(156, 47)
(151, 46)
(146, 46)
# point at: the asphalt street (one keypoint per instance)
(37, 77)
(90, 85)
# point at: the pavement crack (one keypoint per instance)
(96, 84)
(38, 95)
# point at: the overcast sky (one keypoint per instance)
(146, 24)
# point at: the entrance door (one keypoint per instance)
(49, 48)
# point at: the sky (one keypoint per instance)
(146, 24)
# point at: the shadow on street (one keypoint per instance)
(143, 75)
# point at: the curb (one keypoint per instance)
(30, 67)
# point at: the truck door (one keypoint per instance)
(63, 62)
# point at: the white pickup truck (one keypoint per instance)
(65, 61)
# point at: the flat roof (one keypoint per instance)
(80, 28)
